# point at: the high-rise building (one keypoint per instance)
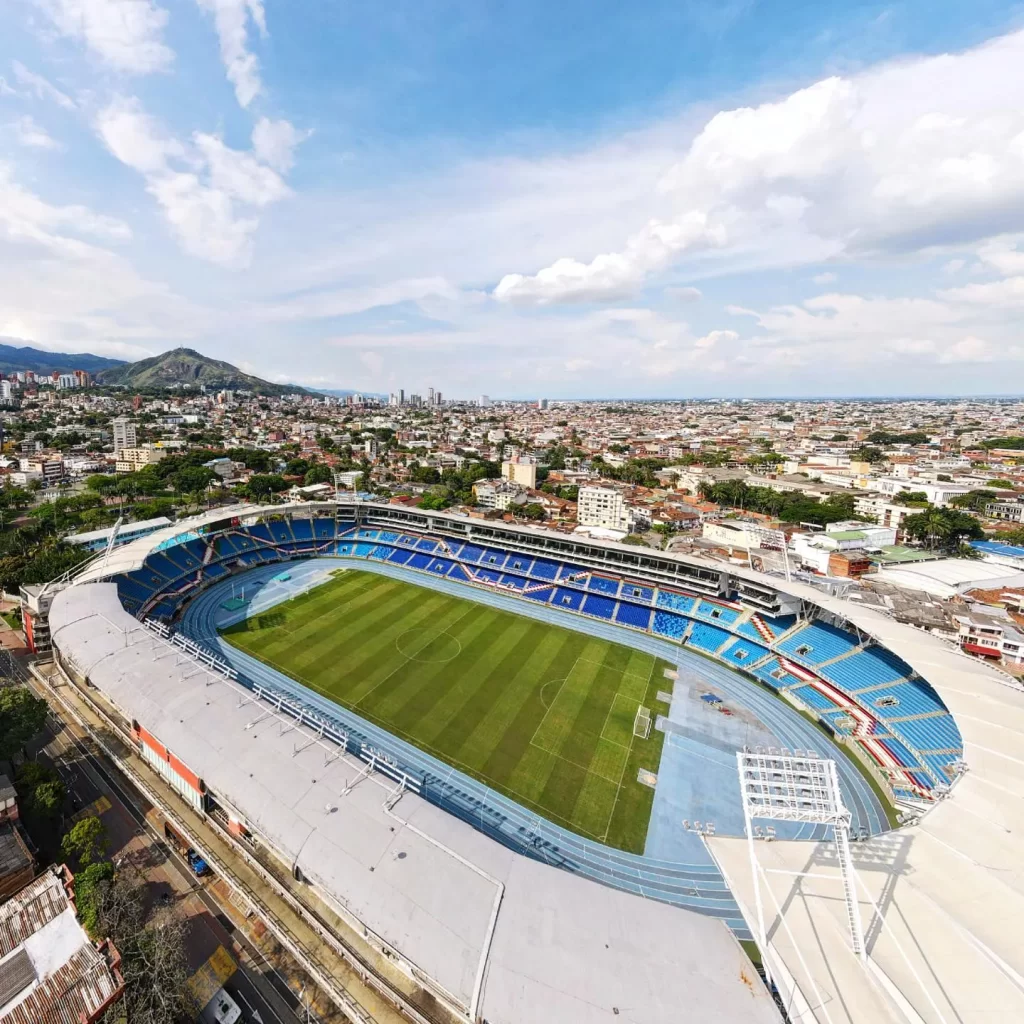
(522, 470)
(401, 396)
(437, 398)
(124, 434)
(483, 401)
(602, 506)
(542, 403)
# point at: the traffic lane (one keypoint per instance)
(133, 840)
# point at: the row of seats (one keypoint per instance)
(875, 678)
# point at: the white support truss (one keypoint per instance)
(784, 785)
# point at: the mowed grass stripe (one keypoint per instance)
(523, 705)
(345, 618)
(437, 690)
(540, 649)
(513, 743)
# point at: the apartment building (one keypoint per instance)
(124, 434)
(599, 505)
(131, 460)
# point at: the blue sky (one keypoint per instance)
(575, 199)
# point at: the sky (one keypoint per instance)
(691, 198)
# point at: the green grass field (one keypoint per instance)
(540, 713)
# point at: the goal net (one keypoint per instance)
(642, 723)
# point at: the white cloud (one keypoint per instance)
(231, 19)
(40, 87)
(972, 350)
(900, 158)
(26, 217)
(28, 133)
(125, 34)
(826, 278)
(953, 267)
(683, 294)
(207, 190)
(274, 143)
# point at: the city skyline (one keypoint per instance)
(649, 203)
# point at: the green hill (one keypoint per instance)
(24, 357)
(186, 366)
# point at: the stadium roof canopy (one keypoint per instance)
(942, 900)
(563, 948)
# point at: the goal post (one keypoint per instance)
(642, 723)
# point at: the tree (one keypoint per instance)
(867, 453)
(154, 963)
(85, 841)
(193, 479)
(88, 896)
(262, 485)
(532, 510)
(22, 717)
(319, 473)
(635, 539)
(41, 792)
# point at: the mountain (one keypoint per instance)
(24, 357)
(187, 366)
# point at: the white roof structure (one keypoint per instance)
(947, 577)
(562, 948)
(942, 900)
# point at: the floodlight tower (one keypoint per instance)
(783, 785)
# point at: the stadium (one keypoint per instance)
(528, 766)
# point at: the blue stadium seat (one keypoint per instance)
(774, 675)
(744, 653)
(636, 592)
(518, 563)
(399, 556)
(667, 624)
(603, 585)
(303, 530)
(866, 668)
(508, 580)
(677, 602)
(324, 529)
(814, 698)
(440, 566)
(602, 607)
(471, 553)
(543, 595)
(458, 573)
(633, 615)
(426, 544)
(570, 600)
(714, 612)
(707, 638)
(261, 531)
(544, 570)
(419, 561)
(818, 642)
(492, 558)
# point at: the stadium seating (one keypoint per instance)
(542, 569)
(817, 642)
(603, 585)
(602, 607)
(636, 593)
(865, 669)
(814, 698)
(707, 638)
(568, 599)
(677, 602)
(711, 611)
(743, 653)
(633, 615)
(906, 715)
(667, 624)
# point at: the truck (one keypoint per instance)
(194, 860)
(221, 1009)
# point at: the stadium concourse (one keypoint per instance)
(940, 896)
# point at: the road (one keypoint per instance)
(260, 989)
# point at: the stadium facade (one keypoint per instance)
(506, 918)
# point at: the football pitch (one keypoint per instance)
(540, 713)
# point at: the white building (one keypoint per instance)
(498, 494)
(522, 470)
(599, 505)
(936, 493)
(124, 434)
(67, 380)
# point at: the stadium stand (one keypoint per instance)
(862, 689)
